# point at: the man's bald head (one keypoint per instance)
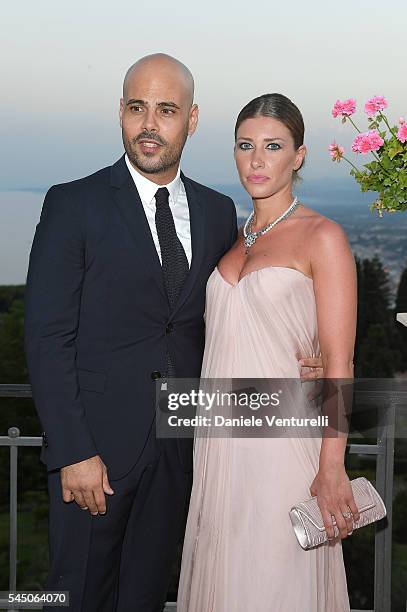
(157, 114)
(161, 65)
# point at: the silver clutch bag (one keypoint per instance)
(306, 517)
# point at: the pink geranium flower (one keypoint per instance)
(402, 133)
(336, 152)
(367, 142)
(402, 120)
(374, 105)
(347, 107)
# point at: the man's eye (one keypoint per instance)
(135, 108)
(273, 146)
(245, 146)
(167, 111)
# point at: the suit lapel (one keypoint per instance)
(131, 208)
(197, 225)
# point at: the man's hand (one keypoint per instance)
(311, 362)
(86, 482)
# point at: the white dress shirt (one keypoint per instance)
(178, 204)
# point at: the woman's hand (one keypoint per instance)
(334, 495)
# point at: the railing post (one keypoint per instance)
(384, 483)
(13, 433)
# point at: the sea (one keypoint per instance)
(337, 198)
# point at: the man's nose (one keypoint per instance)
(150, 121)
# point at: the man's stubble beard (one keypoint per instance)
(169, 158)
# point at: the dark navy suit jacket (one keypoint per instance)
(97, 319)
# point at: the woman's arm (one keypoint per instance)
(334, 275)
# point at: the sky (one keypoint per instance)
(63, 64)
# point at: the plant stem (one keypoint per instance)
(357, 169)
(353, 165)
(387, 123)
(378, 161)
(353, 123)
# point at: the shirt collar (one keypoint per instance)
(147, 189)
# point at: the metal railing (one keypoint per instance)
(383, 450)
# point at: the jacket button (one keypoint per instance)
(44, 439)
(169, 328)
(155, 375)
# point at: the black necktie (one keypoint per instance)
(174, 261)
(173, 258)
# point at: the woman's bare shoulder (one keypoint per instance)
(321, 224)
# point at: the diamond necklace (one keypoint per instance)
(251, 237)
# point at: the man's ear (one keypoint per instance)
(193, 119)
(121, 112)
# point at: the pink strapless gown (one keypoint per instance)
(240, 551)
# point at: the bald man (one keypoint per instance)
(115, 300)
